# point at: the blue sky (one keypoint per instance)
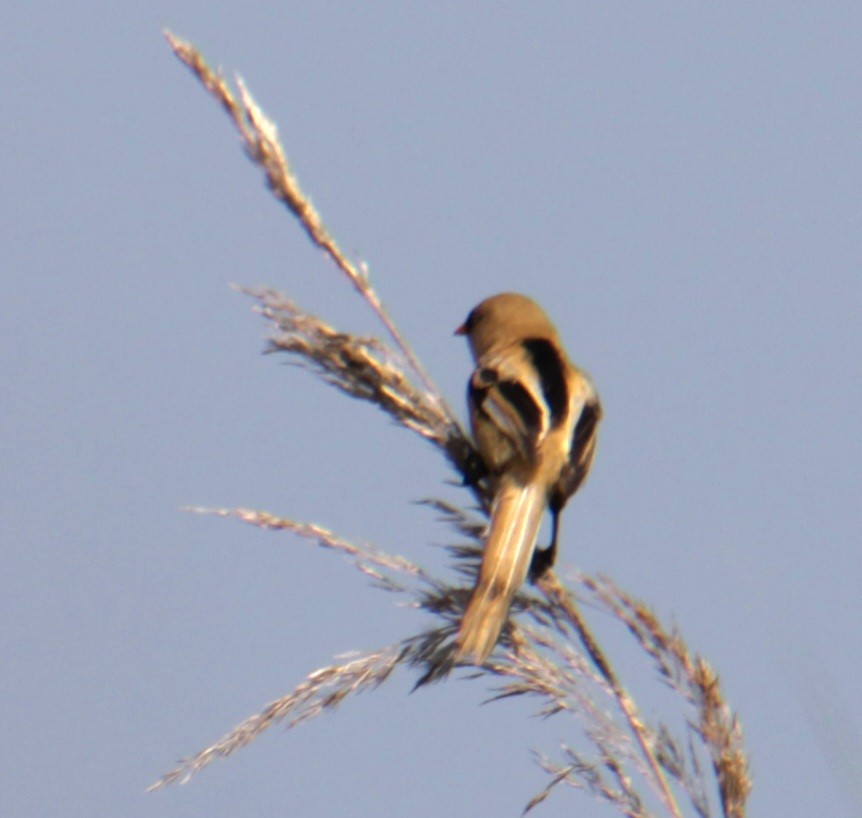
(679, 186)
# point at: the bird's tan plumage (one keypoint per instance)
(517, 514)
(528, 404)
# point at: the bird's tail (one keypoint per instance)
(515, 519)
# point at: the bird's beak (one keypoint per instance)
(462, 330)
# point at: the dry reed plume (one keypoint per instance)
(550, 653)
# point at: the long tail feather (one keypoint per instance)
(515, 520)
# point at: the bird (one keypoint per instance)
(534, 417)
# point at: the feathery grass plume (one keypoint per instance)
(547, 650)
(322, 690)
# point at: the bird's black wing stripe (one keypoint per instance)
(585, 429)
(580, 455)
(519, 398)
(476, 395)
(551, 371)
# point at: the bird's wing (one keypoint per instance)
(583, 448)
(507, 394)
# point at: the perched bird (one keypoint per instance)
(534, 417)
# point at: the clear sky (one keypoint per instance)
(678, 184)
